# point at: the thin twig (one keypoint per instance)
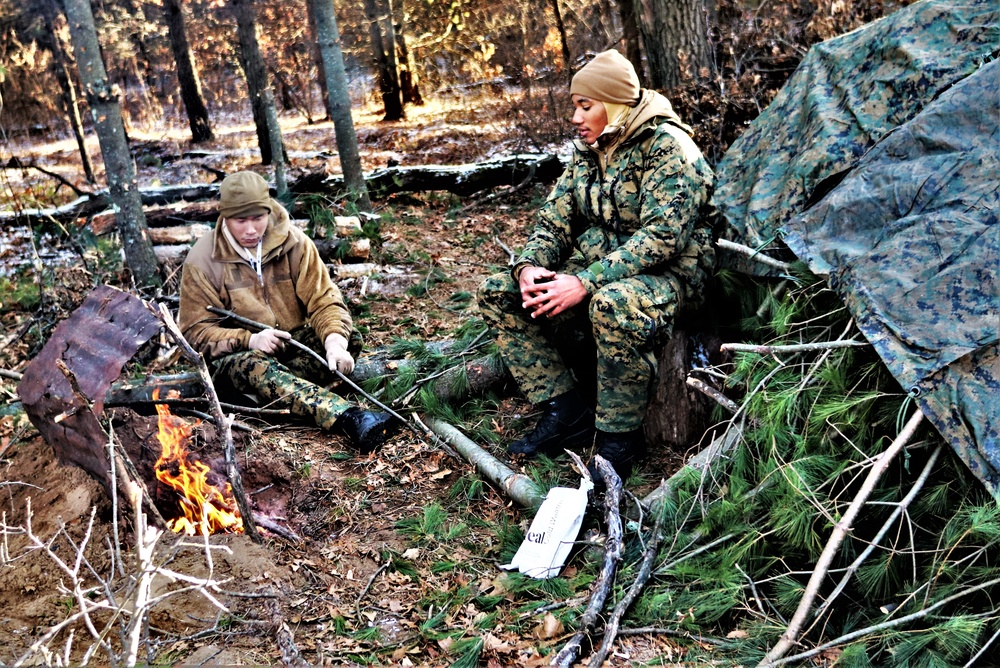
(753, 254)
(364, 592)
(840, 531)
(511, 255)
(221, 423)
(13, 375)
(650, 630)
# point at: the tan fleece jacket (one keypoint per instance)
(296, 289)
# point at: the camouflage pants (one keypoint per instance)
(627, 319)
(290, 379)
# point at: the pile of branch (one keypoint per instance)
(822, 488)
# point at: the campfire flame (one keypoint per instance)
(206, 508)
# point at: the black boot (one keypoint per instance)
(367, 430)
(566, 422)
(622, 450)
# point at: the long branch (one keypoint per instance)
(309, 351)
(840, 531)
(221, 423)
(794, 348)
(612, 555)
(892, 623)
(645, 571)
(900, 508)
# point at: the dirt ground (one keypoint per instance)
(397, 553)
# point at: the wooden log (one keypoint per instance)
(463, 180)
(678, 414)
(517, 486)
(178, 234)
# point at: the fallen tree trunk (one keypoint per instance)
(463, 180)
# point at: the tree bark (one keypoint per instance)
(384, 54)
(69, 100)
(338, 103)
(409, 80)
(187, 73)
(561, 26)
(118, 163)
(317, 56)
(675, 36)
(630, 35)
(252, 62)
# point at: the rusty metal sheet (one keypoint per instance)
(94, 344)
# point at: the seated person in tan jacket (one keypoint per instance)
(258, 265)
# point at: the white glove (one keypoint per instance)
(337, 356)
(269, 340)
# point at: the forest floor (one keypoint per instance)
(399, 551)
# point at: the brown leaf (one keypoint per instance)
(548, 627)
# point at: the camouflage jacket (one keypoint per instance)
(643, 213)
(295, 289)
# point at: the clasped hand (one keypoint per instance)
(269, 340)
(336, 354)
(544, 292)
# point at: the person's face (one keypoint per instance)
(589, 118)
(248, 231)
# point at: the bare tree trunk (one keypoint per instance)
(317, 55)
(567, 59)
(69, 100)
(338, 102)
(630, 34)
(675, 35)
(118, 163)
(187, 73)
(409, 80)
(384, 53)
(252, 62)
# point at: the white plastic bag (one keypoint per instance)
(552, 533)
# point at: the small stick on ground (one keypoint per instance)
(840, 531)
(364, 592)
(568, 655)
(290, 655)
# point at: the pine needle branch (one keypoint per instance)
(899, 510)
(877, 628)
(840, 531)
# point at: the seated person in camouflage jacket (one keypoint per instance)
(258, 265)
(620, 245)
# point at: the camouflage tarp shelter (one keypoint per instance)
(878, 164)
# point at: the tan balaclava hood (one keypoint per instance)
(609, 77)
(244, 194)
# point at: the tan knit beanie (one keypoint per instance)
(242, 195)
(609, 77)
